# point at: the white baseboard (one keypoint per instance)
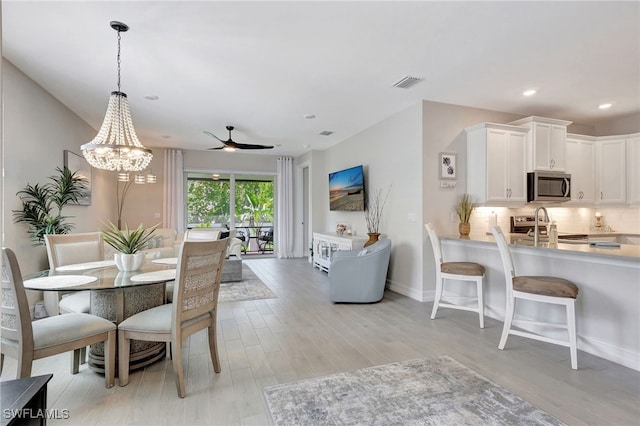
(413, 293)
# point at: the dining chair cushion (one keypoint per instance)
(546, 286)
(67, 328)
(79, 302)
(156, 320)
(462, 268)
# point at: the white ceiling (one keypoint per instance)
(262, 66)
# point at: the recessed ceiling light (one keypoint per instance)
(151, 98)
(604, 106)
(529, 92)
(309, 116)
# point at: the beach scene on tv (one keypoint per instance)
(346, 189)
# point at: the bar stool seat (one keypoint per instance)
(460, 271)
(543, 289)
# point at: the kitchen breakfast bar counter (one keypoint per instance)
(607, 307)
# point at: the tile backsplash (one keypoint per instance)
(570, 219)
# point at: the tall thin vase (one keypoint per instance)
(464, 229)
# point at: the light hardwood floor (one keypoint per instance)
(302, 335)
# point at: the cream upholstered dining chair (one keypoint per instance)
(69, 249)
(542, 289)
(194, 308)
(27, 341)
(461, 271)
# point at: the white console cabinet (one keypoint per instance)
(325, 245)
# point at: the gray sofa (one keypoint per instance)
(359, 276)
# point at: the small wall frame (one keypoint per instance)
(448, 166)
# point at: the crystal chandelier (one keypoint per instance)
(116, 146)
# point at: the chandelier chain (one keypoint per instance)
(118, 60)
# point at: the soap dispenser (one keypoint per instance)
(553, 233)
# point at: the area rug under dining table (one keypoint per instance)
(250, 288)
(432, 391)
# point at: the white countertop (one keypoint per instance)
(629, 251)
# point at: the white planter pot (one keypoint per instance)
(128, 262)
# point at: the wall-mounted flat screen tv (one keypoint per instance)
(346, 189)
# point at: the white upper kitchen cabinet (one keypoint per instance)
(633, 169)
(611, 170)
(545, 143)
(581, 164)
(496, 164)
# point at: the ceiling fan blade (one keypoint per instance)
(215, 149)
(252, 146)
(212, 135)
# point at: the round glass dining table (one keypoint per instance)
(115, 295)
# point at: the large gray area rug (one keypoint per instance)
(250, 288)
(434, 391)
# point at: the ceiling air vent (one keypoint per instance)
(407, 82)
(325, 133)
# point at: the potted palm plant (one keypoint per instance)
(128, 244)
(465, 209)
(42, 204)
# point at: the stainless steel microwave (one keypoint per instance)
(548, 186)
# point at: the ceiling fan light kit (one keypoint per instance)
(116, 146)
(230, 146)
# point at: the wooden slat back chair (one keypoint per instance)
(538, 289)
(69, 249)
(461, 271)
(194, 307)
(26, 341)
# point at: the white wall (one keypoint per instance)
(390, 152)
(37, 129)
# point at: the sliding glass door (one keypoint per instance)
(236, 201)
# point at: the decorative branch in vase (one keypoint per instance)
(373, 214)
(465, 209)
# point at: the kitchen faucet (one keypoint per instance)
(536, 233)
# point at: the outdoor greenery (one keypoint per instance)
(208, 202)
(128, 242)
(42, 204)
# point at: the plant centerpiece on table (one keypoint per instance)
(128, 244)
(465, 209)
(373, 214)
(42, 204)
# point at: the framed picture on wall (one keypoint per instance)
(76, 163)
(448, 166)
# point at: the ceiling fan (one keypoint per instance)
(230, 145)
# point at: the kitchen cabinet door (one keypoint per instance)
(581, 164)
(633, 170)
(496, 164)
(545, 143)
(548, 142)
(611, 171)
(516, 166)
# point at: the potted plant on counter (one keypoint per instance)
(128, 244)
(465, 209)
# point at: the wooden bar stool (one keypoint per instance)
(461, 271)
(538, 289)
